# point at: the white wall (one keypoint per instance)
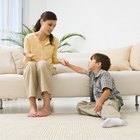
(32, 11)
(104, 23)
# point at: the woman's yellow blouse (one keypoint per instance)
(42, 50)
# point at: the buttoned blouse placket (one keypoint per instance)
(42, 45)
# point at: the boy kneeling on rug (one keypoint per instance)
(105, 99)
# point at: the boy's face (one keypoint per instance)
(93, 65)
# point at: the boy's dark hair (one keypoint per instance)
(104, 59)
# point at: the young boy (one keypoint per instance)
(106, 101)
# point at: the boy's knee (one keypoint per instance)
(80, 105)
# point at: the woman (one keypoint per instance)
(40, 53)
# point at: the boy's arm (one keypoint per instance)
(102, 99)
(76, 68)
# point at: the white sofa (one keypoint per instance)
(125, 69)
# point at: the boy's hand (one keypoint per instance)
(63, 61)
(67, 64)
(98, 106)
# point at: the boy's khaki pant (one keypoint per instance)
(37, 75)
(110, 109)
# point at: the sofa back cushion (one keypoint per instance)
(17, 54)
(79, 59)
(7, 65)
(120, 58)
(135, 57)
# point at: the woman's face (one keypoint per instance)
(48, 26)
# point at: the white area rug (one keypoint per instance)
(66, 127)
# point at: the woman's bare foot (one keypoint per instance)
(33, 107)
(32, 113)
(43, 112)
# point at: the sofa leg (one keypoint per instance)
(1, 104)
(136, 102)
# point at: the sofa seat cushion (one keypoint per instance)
(77, 85)
(63, 85)
(127, 82)
(70, 85)
(12, 86)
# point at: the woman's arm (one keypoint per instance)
(26, 50)
(55, 60)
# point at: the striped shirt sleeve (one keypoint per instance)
(106, 81)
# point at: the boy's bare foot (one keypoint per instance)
(32, 113)
(44, 112)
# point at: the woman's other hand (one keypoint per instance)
(28, 55)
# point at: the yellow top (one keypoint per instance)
(42, 50)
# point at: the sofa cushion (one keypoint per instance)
(135, 57)
(17, 55)
(78, 62)
(79, 59)
(7, 65)
(12, 86)
(70, 85)
(119, 58)
(127, 82)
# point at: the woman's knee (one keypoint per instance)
(43, 64)
(30, 65)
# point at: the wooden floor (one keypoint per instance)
(60, 105)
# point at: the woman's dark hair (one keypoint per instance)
(104, 59)
(48, 15)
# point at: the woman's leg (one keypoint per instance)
(46, 108)
(30, 83)
(44, 80)
(33, 107)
